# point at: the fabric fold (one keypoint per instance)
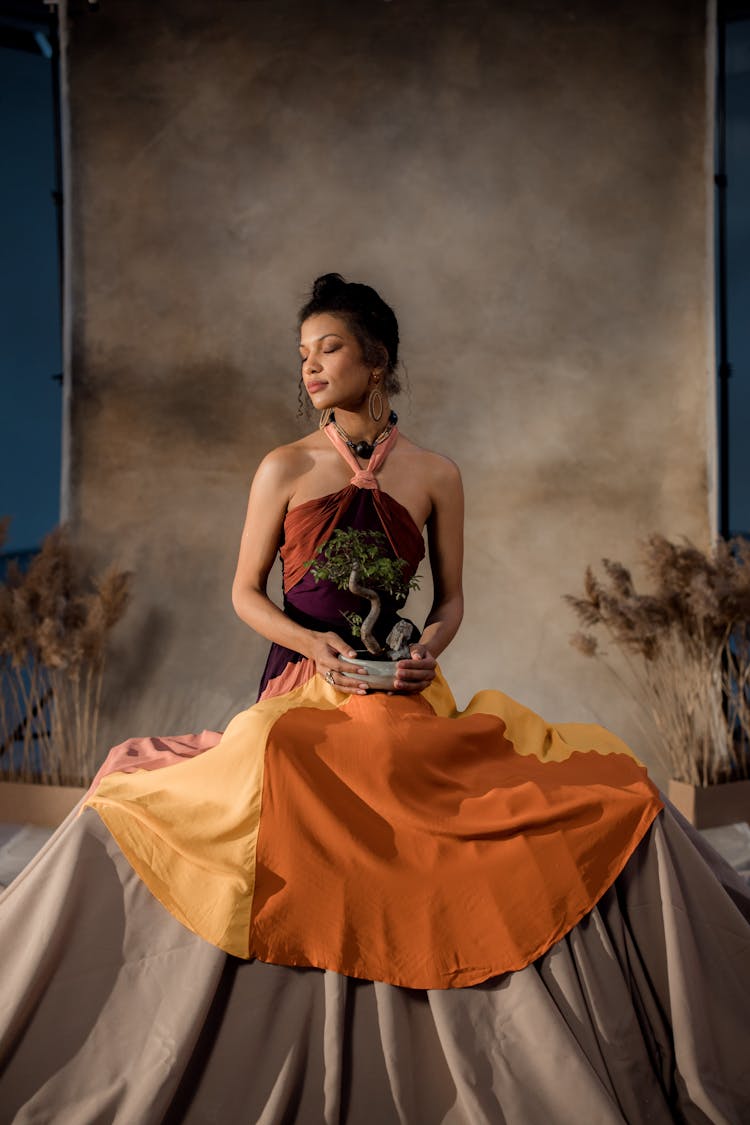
(164, 1028)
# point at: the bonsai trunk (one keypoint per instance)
(396, 645)
(369, 622)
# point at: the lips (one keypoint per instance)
(316, 386)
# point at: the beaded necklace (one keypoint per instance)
(365, 449)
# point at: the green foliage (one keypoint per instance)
(335, 558)
(355, 622)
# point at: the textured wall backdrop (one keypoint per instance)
(528, 184)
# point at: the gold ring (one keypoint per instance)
(329, 677)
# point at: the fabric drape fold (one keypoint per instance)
(615, 1023)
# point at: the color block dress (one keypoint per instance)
(374, 908)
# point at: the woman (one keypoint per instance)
(366, 906)
(349, 362)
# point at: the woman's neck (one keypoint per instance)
(359, 426)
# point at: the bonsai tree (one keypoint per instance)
(358, 561)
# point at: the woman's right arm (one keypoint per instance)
(267, 504)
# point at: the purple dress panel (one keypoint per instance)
(321, 605)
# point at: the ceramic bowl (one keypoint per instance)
(380, 674)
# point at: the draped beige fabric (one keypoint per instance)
(112, 1012)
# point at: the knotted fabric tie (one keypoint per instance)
(363, 478)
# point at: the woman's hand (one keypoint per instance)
(324, 649)
(417, 673)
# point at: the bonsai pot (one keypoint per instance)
(379, 674)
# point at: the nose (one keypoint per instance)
(310, 364)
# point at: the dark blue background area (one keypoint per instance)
(30, 333)
(738, 270)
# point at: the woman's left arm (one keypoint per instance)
(445, 542)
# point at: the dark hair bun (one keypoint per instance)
(327, 285)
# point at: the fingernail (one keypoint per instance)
(351, 652)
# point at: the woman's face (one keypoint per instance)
(333, 370)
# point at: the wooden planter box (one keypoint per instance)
(22, 802)
(715, 805)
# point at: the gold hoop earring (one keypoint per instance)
(372, 407)
(325, 417)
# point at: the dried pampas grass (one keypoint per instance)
(54, 622)
(687, 648)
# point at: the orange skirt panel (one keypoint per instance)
(399, 845)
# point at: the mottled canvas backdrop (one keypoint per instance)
(528, 184)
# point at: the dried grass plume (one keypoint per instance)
(55, 619)
(687, 647)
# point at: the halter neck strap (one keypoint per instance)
(363, 478)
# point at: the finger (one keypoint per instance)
(411, 685)
(411, 688)
(425, 672)
(349, 653)
(415, 675)
(334, 641)
(344, 670)
(348, 686)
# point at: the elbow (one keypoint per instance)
(239, 597)
(243, 595)
(449, 609)
(236, 603)
(452, 610)
(236, 595)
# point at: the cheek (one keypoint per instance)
(342, 364)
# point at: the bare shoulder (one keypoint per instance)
(438, 470)
(289, 462)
